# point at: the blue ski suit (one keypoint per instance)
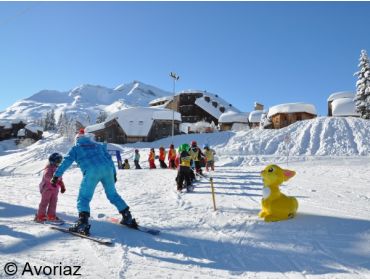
(97, 166)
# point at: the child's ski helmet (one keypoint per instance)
(185, 147)
(193, 143)
(55, 158)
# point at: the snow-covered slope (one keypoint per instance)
(329, 238)
(84, 102)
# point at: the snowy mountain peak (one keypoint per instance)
(85, 99)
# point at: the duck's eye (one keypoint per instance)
(270, 169)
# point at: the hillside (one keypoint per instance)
(83, 102)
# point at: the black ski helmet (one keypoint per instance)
(55, 158)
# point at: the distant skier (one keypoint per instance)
(172, 157)
(196, 155)
(97, 166)
(162, 157)
(209, 154)
(184, 168)
(151, 159)
(137, 159)
(126, 164)
(49, 192)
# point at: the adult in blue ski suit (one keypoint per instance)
(97, 166)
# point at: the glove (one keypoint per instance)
(54, 180)
(63, 189)
(115, 178)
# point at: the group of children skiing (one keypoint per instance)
(97, 166)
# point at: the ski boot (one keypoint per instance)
(127, 219)
(82, 225)
(40, 218)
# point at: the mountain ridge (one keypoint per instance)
(84, 101)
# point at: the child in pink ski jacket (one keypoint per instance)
(49, 192)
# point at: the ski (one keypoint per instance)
(139, 228)
(102, 241)
(53, 223)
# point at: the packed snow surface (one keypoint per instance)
(329, 238)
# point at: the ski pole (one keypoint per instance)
(213, 194)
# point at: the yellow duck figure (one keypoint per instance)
(275, 205)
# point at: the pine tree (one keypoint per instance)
(52, 125)
(362, 98)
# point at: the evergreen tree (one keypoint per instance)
(52, 125)
(49, 121)
(101, 117)
(362, 98)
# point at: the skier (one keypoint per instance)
(49, 192)
(126, 164)
(171, 157)
(162, 157)
(196, 155)
(184, 168)
(209, 154)
(137, 159)
(151, 159)
(97, 166)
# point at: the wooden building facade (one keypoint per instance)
(281, 120)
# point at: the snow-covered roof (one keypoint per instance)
(232, 117)
(138, 121)
(255, 116)
(341, 94)
(95, 127)
(33, 128)
(344, 107)
(7, 123)
(292, 108)
(161, 99)
(21, 132)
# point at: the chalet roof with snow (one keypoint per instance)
(233, 117)
(255, 116)
(214, 105)
(33, 128)
(161, 99)
(292, 108)
(341, 94)
(344, 107)
(7, 123)
(139, 120)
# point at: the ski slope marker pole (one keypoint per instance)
(213, 194)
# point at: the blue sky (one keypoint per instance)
(270, 52)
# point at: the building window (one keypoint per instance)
(222, 109)
(215, 104)
(206, 98)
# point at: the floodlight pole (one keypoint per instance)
(175, 78)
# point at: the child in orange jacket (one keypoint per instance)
(171, 157)
(151, 159)
(162, 157)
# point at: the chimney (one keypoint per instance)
(258, 106)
